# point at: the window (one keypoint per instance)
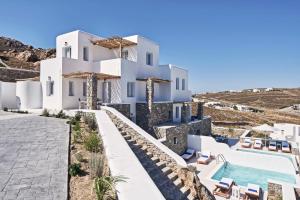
(183, 84)
(67, 52)
(71, 88)
(125, 54)
(84, 89)
(177, 112)
(149, 59)
(49, 87)
(85, 53)
(175, 140)
(177, 83)
(130, 89)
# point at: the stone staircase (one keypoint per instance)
(164, 173)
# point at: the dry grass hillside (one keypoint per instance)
(273, 99)
(270, 102)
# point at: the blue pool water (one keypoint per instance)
(267, 153)
(244, 175)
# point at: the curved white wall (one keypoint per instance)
(29, 94)
(8, 96)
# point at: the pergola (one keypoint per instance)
(154, 79)
(114, 42)
(85, 75)
(91, 84)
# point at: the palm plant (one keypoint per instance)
(105, 186)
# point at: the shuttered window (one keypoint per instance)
(130, 89)
(71, 88)
(84, 89)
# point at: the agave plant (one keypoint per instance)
(105, 186)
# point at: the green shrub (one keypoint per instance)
(77, 116)
(90, 121)
(92, 142)
(76, 127)
(45, 113)
(61, 114)
(105, 186)
(77, 136)
(96, 165)
(74, 169)
(79, 157)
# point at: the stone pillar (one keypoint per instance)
(91, 97)
(149, 93)
(185, 113)
(200, 110)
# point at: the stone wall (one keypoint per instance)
(159, 113)
(10, 75)
(274, 191)
(122, 108)
(200, 127)
(181, 131)
(197, 109)
(169, 133)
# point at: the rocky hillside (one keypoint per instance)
(15, 54)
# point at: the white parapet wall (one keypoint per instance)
(8, 95)
(122, 161)
(29, 94)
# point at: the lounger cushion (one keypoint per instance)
(225, 183)
(253, 189)
(203, 159)
(186, 156)
(205, 154)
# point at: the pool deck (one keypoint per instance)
(206, 171)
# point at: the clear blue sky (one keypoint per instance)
(224, 44)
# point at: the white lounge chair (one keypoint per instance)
(247, 143)
(188, 154)
(204, 158)
(235, 193)
(285, 147)
(272, 146)
(252, 191)
(223, 187)
(257, 144)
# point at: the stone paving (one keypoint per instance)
(33, 158)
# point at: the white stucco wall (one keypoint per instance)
(52, 68)
(9, 99)
(29, 94)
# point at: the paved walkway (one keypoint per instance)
(33, 158)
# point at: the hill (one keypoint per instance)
(15, 54)
(270, 103)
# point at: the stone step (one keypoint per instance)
(155, 159)
(144, 148)
(127, 137)
(185, 191)
(149, 154)
(161, 164)
(178, 182)
(172, 176)
(166, 170)
(191, 197)
(123, 133)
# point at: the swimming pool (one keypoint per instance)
(243, 175)
(270, 153)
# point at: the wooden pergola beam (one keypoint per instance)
(84, 75)
(114, 42)
(155, 80)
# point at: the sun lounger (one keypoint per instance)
(188, 154)
(252, 191)
(285, 147)
(204, 158)
(247, 143)
(223, 187)
(235, 193)
(257, 144)
(272, 146)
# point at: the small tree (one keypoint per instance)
(105, 186)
